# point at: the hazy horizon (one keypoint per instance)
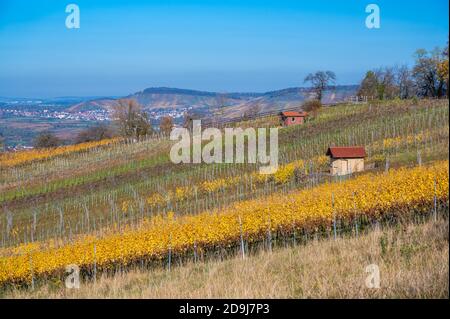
(153, 87)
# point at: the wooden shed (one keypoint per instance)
(346, 160)
(289, 118)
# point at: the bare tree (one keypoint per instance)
(131, 120)
(320, 81)
(166, 125)
(405, 82)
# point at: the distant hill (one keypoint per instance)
(170, 98)
(161, 98)
(236, 103)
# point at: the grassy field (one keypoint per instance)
(412, 259)
(81, 203)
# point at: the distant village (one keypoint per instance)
(94, 115)
(54, 112)
(97, 115)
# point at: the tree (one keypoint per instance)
(94, 133)
(131, 120)
(166, 125)
(369, 85)
(428, 78)
(405, 83)
(46, 140)
(443, 69)
(320, 81)
(386, 88)
(425, 73)
(387, 83)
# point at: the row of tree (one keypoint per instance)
(428, 78)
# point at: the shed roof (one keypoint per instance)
(347, 152)
(294, 114)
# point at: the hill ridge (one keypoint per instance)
(152, 98)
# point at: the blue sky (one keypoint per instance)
(124, 46)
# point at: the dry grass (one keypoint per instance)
(413, 262)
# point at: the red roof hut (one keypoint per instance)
(346, 160)
(293, 118)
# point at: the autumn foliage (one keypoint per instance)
(11, 159)
(371, 195)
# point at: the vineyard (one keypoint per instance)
(18, 158)
(113, 204)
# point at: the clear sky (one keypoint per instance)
(124, 46)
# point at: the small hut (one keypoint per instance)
(346, 160)
(289, 118)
